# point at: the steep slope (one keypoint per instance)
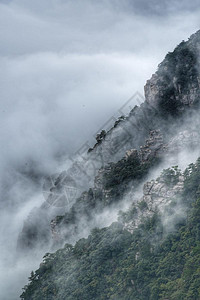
(128, 260)
(171, 101)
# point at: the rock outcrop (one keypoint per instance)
(177, 81)
(157, 196)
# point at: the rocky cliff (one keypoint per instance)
(175, 85)
(126, 152)
(158, 196)
(149, 251)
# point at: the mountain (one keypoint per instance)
(147, 253)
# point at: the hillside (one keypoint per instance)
(154, 261)
(176, 83)
(152, 251)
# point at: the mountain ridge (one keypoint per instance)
(124, 156)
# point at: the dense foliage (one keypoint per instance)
(115, 264)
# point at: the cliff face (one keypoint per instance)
(172, 91)
(157, 197)
(176, 83)
(126, 152)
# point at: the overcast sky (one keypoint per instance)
(65, 68)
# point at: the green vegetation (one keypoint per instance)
(171, 176)
(115, 264)
(126, 170)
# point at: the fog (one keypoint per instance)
(66, 68)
